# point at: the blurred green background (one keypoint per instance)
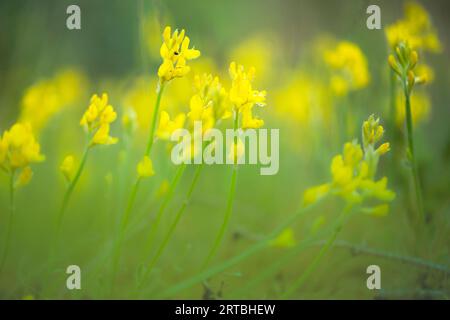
(117, 47)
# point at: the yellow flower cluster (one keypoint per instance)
(209, 104)
(243, 97)
(353, 172)
(404, 63)
(167, 126)
(97, 119)
(349, 66)
(18, 149)
(47, 97)
(415, 28)
(175, 52)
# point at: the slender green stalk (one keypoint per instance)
(123, 227)
(230, 202)
(328, 244)
(126, 217)
(163, 207)
(151, 136)
(255, 248)
(12, 210)
(409, 127)
(69, 192)
(297, 284)
(174, 224)
(392, 97)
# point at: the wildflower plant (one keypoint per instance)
(354, 180)
(175, 53)
(209, 105)
(243, 98)
(18, 150)
(403, 64)
(96, 122)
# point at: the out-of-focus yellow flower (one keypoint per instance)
(44, 99)
(243, 96)
(349, 67)
(175, 52)
(378, 211)
(145, 168)
(19, 148)
(257, 52)
(213, 94)
(68, 167)
(129, 120)
(353, 171)
(285, 239)
(97, 119)
(314, 194)
(209, 104)
(139, 95)
(25, 177)
(420, 108)
(415, 28)
(424, 73)
(167, 127)
(163, 188)
(305, 101)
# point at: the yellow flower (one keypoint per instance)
(47, 97)
(19, 148)
(353, 171)
(241, 93)
(416, 29)
(97, 119)
(209, 103)
(349, 66)
(243, 97)
(314, 194)
(68, 167)
(175, 52)
(378, 211)
(285, 239)
(167, 127)
(256, 51)
(25, 177)
(145, 168)
(212, 94)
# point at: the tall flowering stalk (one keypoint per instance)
(209, 105)
(175, 53)
(403, 64)
(96, 122)
(353, 179)
(18, 149)
(244, 98)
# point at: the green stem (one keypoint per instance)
(69, 192)
(132, 198)
(151, 136)
(252, 250)
(409, 127)
(231, 196)
(174, 224)
(12, 210)
(392, 98)
(298, 283)
(164, 205)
